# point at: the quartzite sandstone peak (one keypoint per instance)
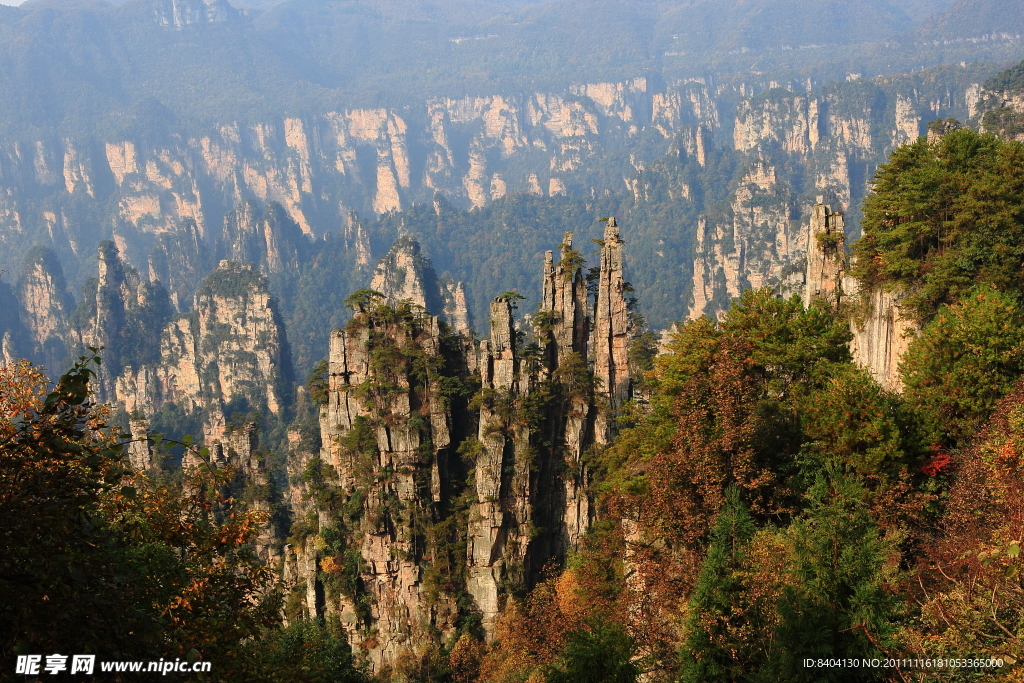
(400, 441)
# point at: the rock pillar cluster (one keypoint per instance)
(413, 478)
(500, 515)
(564, 324)
(386, 435)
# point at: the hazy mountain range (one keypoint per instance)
(79, 64)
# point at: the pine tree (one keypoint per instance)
(836, 603)
(716, 648)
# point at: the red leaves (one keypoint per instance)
(938, 463)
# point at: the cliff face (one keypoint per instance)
(1000, 105)
(228, 348)
(826, 256)
(404, 274)
(386, 434)
(121, 313)
(881, 337)
(800, 147)
(45, 307)
(881, 333)
(156, 200)
(270, 238)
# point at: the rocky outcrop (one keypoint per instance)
(229, 348)
(45, 307)
(611, 335)
(140, 450)
(179, 14)
(240, 449)
(1000, 106)
(409, 474)
(881, 331)
(500, 515)
(826, 256)
(454, 307)
(180, 260)
(269, 238)
(121, 314)
(404, 274)
(563, 325)
(386, 434)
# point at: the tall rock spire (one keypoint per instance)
(564, 320)
(564, 324)
(826, 256)
(501, 514)
(126, 317)
(611, 334)
(404, 274)
(385, 431)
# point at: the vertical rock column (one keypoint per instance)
(242, 446)
(564, 305)
(826, 256)
(611, 335)
(139, 451)
(385, 431)
(502, 518)
(565, 298)
(492, 524)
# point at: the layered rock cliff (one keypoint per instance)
(122, 314)
(801, 147)
(404, 274)
(881, 331)
(777, 146)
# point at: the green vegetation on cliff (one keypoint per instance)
(945, 217)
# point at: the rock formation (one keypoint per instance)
(500, 515)
(404, 274)
(122, 314)
(140, 451)
(611, 335)
(881, 333)
(564, 324)
(388, 497)
(268, 238)
(180, 260)
(881, 336)
(45, 307)
(386, 435)
(229, 347)
(826, 256)
(787, 142)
